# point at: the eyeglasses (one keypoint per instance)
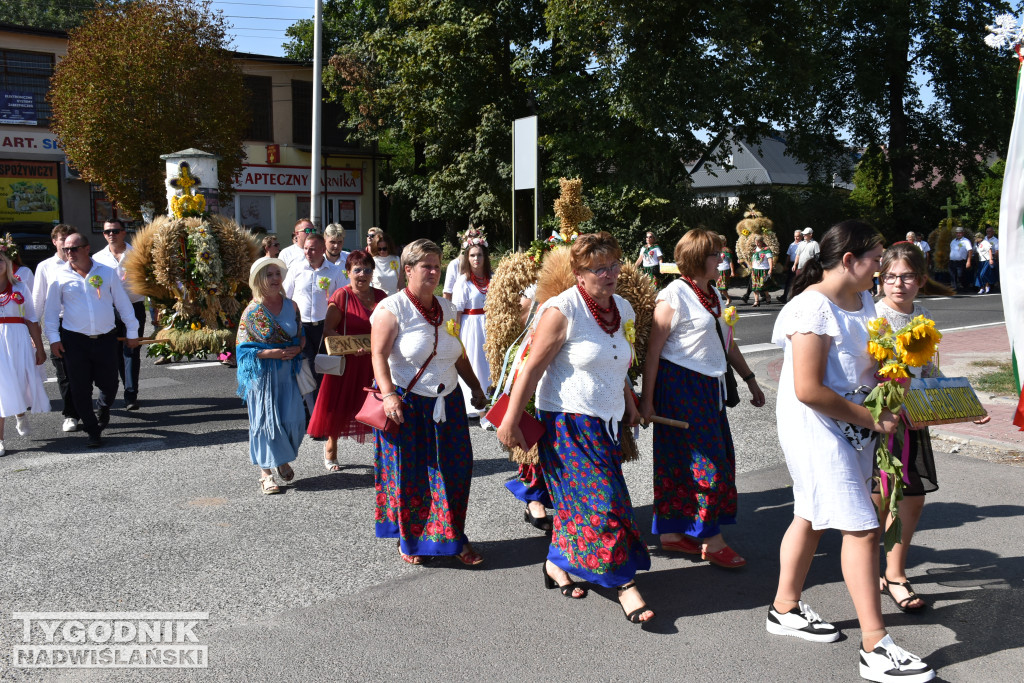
(362, 271)
(72, 250)
(113, 232)
(905, 278)
(613, 269)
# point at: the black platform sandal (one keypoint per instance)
(567, 590)
(911, 596)
(542, 523)
(634, 616)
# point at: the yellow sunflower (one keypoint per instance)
(893, 370)
(916, 344)
(879, 352)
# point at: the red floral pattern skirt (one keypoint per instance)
(422, 476)
(596, 536)
(529, 485)
(695, 468)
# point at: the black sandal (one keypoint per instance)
(567, 590)
(634, 616)
(542, 523)
(911, 596)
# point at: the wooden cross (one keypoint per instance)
(949, 209)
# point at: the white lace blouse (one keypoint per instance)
(413, 344)
(899, 319)
(588, 374)
(693, 341)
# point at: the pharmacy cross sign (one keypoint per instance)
(948, 208)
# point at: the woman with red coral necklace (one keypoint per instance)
(469, 295)
(423, 470)
(684, 379)
(577, 364)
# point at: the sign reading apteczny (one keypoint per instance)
(122, 640)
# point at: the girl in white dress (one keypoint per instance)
(828, 439)
(469, 295)
(387, 271)
(21, 350)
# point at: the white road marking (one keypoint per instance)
(757, 348)
(195, 366)
(972, 327)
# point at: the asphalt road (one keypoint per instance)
(168, 517)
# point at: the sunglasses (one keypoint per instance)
(72, 250)
(113, 232)
(310, 231)
(362, 271)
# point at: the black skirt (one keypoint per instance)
(920, 463)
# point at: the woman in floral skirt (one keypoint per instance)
(684, 379)
(577, 364)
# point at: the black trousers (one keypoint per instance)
(314, 335)
(131, 359)
(63, 385)
(88, 361)
(958, 275)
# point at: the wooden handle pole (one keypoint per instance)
(669, 422)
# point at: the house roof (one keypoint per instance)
(763, 164)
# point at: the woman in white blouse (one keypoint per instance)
(387, 271)
(577, 364)
(423, 470)
(684, 379)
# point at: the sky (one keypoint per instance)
(258, 26)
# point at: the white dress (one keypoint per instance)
(385, 273)
(22, 387)
(831, 479)
(467, 297)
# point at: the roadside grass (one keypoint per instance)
(997, 379)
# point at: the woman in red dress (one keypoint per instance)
(341, 397)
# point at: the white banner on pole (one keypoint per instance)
(524, 154)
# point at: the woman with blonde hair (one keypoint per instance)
(577, 364)
(268, 345)
(469, 296)
(424, 468)
(685, 379)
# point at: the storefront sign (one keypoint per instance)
(29, 191)
(18, 107)
(30, 143)
(296, 179)
(941, 400)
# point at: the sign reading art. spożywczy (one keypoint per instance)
(941, 400)
(29, 191)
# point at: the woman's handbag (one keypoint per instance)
(305, 379)
(372, 413)
(732, 391)
(332, 365)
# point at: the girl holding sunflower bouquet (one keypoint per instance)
(903, 273)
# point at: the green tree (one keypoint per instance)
(872, 192)
(164, 84)
(52, 14)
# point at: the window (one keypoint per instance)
(261, 108)
(26, 73)
(332, 115)
(255, 212)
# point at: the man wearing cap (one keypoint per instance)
(45, 273)
(294, 251)
(960, 250)
(807, 250)
(130, 360)
(86, 338)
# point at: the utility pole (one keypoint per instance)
(316, 194)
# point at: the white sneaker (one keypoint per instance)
(21, 423)
(70, 424)
(3, 451)
(890, 662)
(802, 622)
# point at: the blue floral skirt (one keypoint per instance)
(695, 468)
(595, 535)
(529, 485)
(422, 476)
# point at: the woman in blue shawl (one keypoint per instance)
(268, 345)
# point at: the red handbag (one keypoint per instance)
(531, 427)
(372, 413)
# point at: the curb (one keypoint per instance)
(939, 433)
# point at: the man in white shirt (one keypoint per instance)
(923, 246)
(294, 251)
(960, 252)
(334, 238)
(451, 276)
(798, 239)
(807, 250)
(44, 275)
(86, 338)
(310, 284)
(112, 256)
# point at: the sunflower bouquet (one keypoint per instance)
(896, 351)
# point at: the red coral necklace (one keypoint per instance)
(610, 327)
(706, 298)
(481, 283)
(434, 315)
